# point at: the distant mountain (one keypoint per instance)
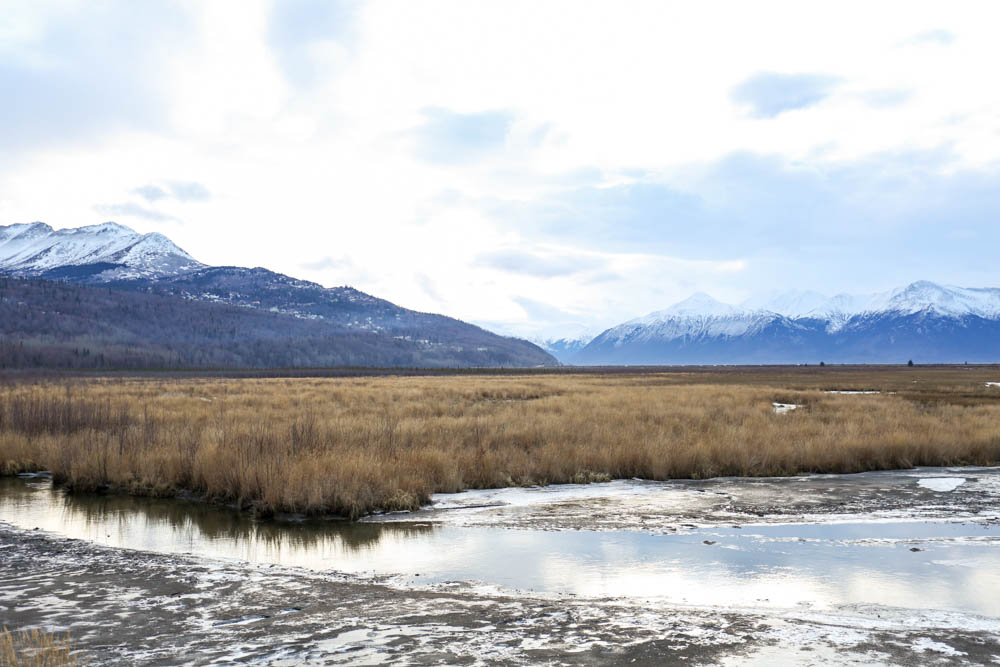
(921, 296)
(98, 253)
(562, 341)
(564, 349)
(116, 257)
(922, 321)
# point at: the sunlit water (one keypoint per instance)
(804, 566)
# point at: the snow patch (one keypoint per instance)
(943, 484)
(849, 392)
(540, 495)
(924, 644)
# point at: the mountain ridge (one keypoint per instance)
(924, 320)
(32, 249)
(117, 257)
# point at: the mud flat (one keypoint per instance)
(879, 568)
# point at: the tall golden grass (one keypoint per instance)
(35, 648)
(354, 446)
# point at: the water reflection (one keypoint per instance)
(179, 526)
(929, 565)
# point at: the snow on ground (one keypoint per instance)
(924, 644)
(944, 484)
(783, 408)
(849, 392)
(651, 506)
(542, 495)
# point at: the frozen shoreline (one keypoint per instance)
(124, 605)
(958, 493)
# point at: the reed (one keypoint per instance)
(359, 445)
(35, 648)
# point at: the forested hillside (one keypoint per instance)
(47, 324)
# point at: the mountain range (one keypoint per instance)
(198, 315)
(234, 316)
(923, 321)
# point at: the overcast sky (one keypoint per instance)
(535, 164)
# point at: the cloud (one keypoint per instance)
(876, 220)
(536, 310)
(183, 191)
(78, 73)
(133, 210)
(547, 265)
(886, 97)
(150, 193)
(427, 285)
(448, 137)
(328, 263)
(344, 269)
(939, 37)
(307, 34)
(189, 191)
(627, 217)
(769, 94)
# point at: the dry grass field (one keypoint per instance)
(351, 446)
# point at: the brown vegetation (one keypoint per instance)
(353, 446)
(35, 648)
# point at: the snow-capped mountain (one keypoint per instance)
(563, 348)
(367, 330)
(923, 321)
(698, 315)
(104, 252)
(913, 298)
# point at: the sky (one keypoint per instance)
(538, 167)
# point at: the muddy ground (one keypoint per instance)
(132, 607)
(675, 505)
(125, 606)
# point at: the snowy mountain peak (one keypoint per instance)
(115, 251)
(698, 305)
(23, 230)
(922, 320)
(943, 300)
(794, 303)
(701, 304)
(701, 310)
(103, 228)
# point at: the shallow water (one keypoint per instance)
(915, 564)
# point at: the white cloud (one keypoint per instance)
(309, 149)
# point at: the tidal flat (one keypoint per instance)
(728, 571)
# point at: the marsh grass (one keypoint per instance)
(35, 648)
(354, 446)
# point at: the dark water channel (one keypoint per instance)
(920, 565)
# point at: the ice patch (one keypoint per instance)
(850, 392)
(923, 644)
(943, 484)
(541, 495)
(239, 621)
